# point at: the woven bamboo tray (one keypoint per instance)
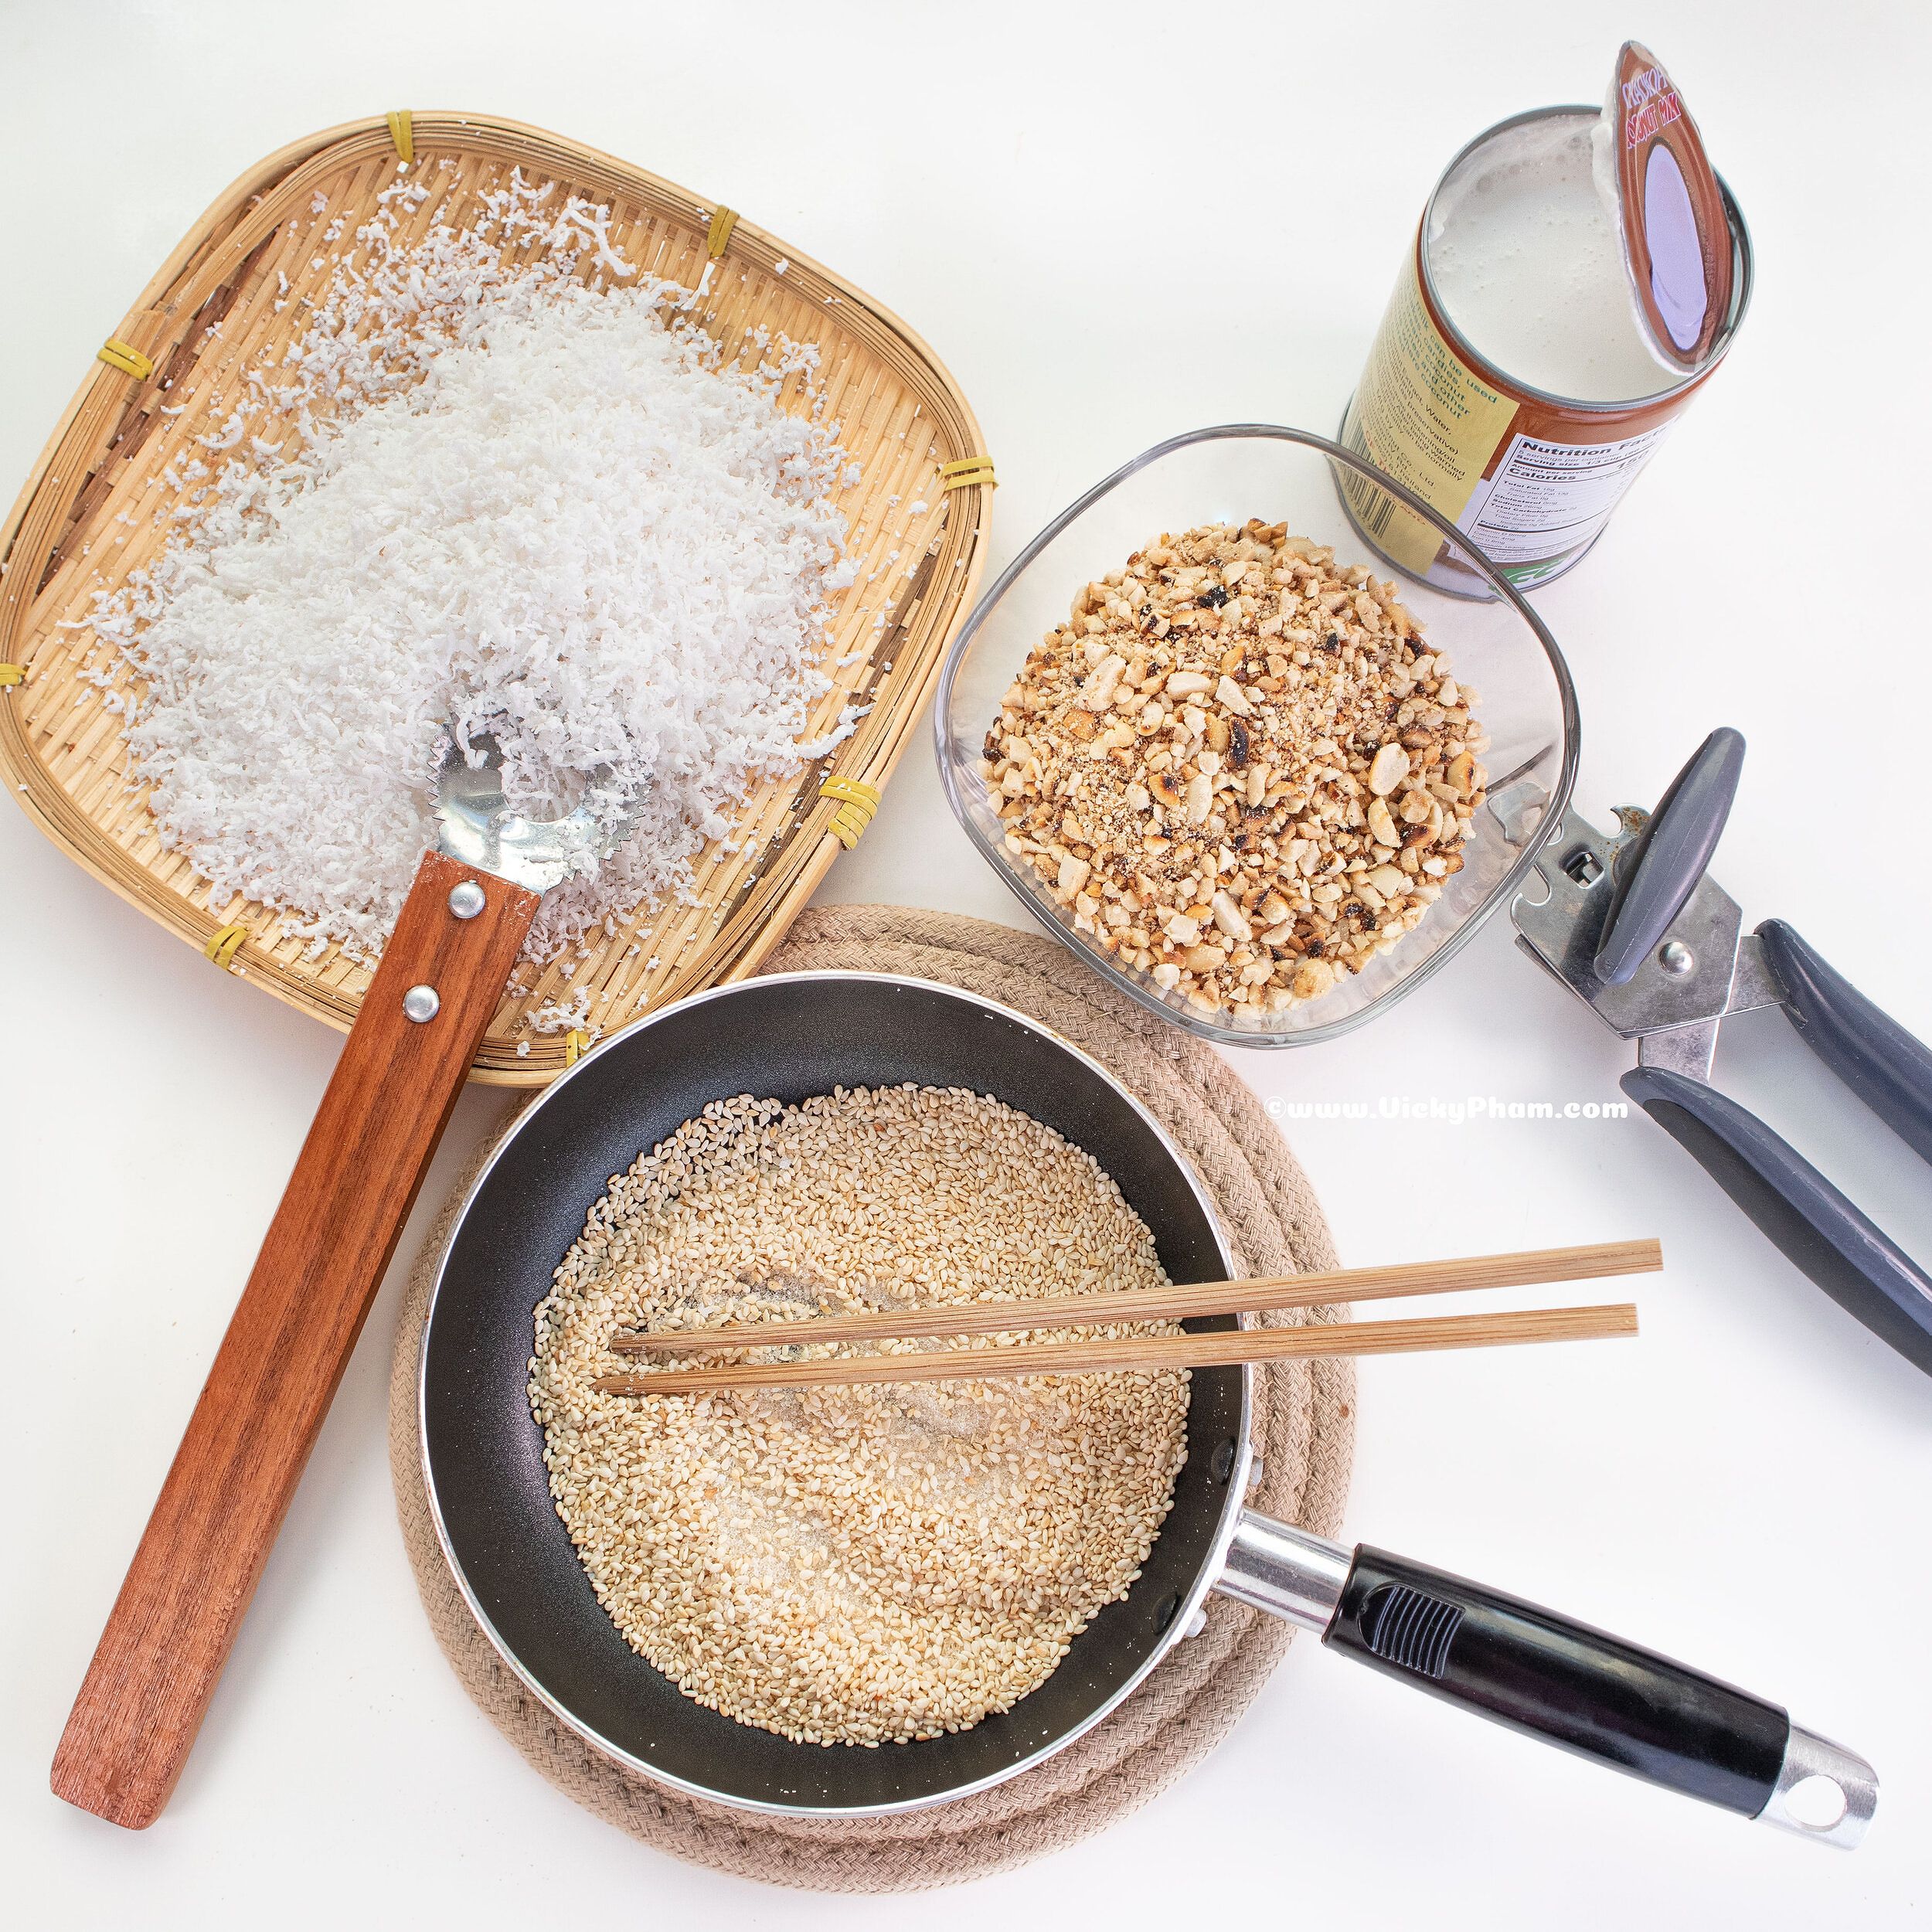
(213, 306)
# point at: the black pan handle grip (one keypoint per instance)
(1554, 1679)
(1564, 1682)
(1889, 1069)
(1854, 1262)
(1654, 876)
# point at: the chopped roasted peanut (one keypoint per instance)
(1239, 767)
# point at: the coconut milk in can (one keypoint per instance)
(1578, 274)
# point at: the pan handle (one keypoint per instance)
(261, 1408)
(1553, 1678)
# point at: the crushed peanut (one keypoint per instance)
(867, 1565)
(1239, 766)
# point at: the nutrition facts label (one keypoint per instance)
(1547, 499)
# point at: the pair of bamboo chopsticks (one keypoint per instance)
(1169, 1304)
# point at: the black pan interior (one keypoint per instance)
(790, 1038)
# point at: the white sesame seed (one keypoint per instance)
(862, 1565)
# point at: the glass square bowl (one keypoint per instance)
(1227, 474)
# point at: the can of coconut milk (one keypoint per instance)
(1577, 275)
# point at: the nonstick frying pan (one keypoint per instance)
(794, 1036)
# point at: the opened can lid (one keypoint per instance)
(1675, 234)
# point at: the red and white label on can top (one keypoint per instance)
(1676, 235)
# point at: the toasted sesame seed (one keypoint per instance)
(869, 1565)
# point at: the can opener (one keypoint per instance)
(1635, 926)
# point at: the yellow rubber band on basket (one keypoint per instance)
(126, 358)
(968, 473)
(225, 944)
(858, 802)
(12, 674)
(402, 132)
(574, 1044)
(722, 224)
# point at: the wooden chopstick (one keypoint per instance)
(1142, 1351)
(1173, 1303)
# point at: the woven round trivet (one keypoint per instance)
(1303, 1431)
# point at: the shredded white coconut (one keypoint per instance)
(515, 500)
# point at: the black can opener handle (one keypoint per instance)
(1661, 867)
(1815, 1226)
(1885, 1066)
(1843, 1250)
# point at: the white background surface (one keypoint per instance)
(1112, 224)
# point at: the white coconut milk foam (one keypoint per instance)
(1524, 256)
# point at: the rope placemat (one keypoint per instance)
(1303, 1431)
